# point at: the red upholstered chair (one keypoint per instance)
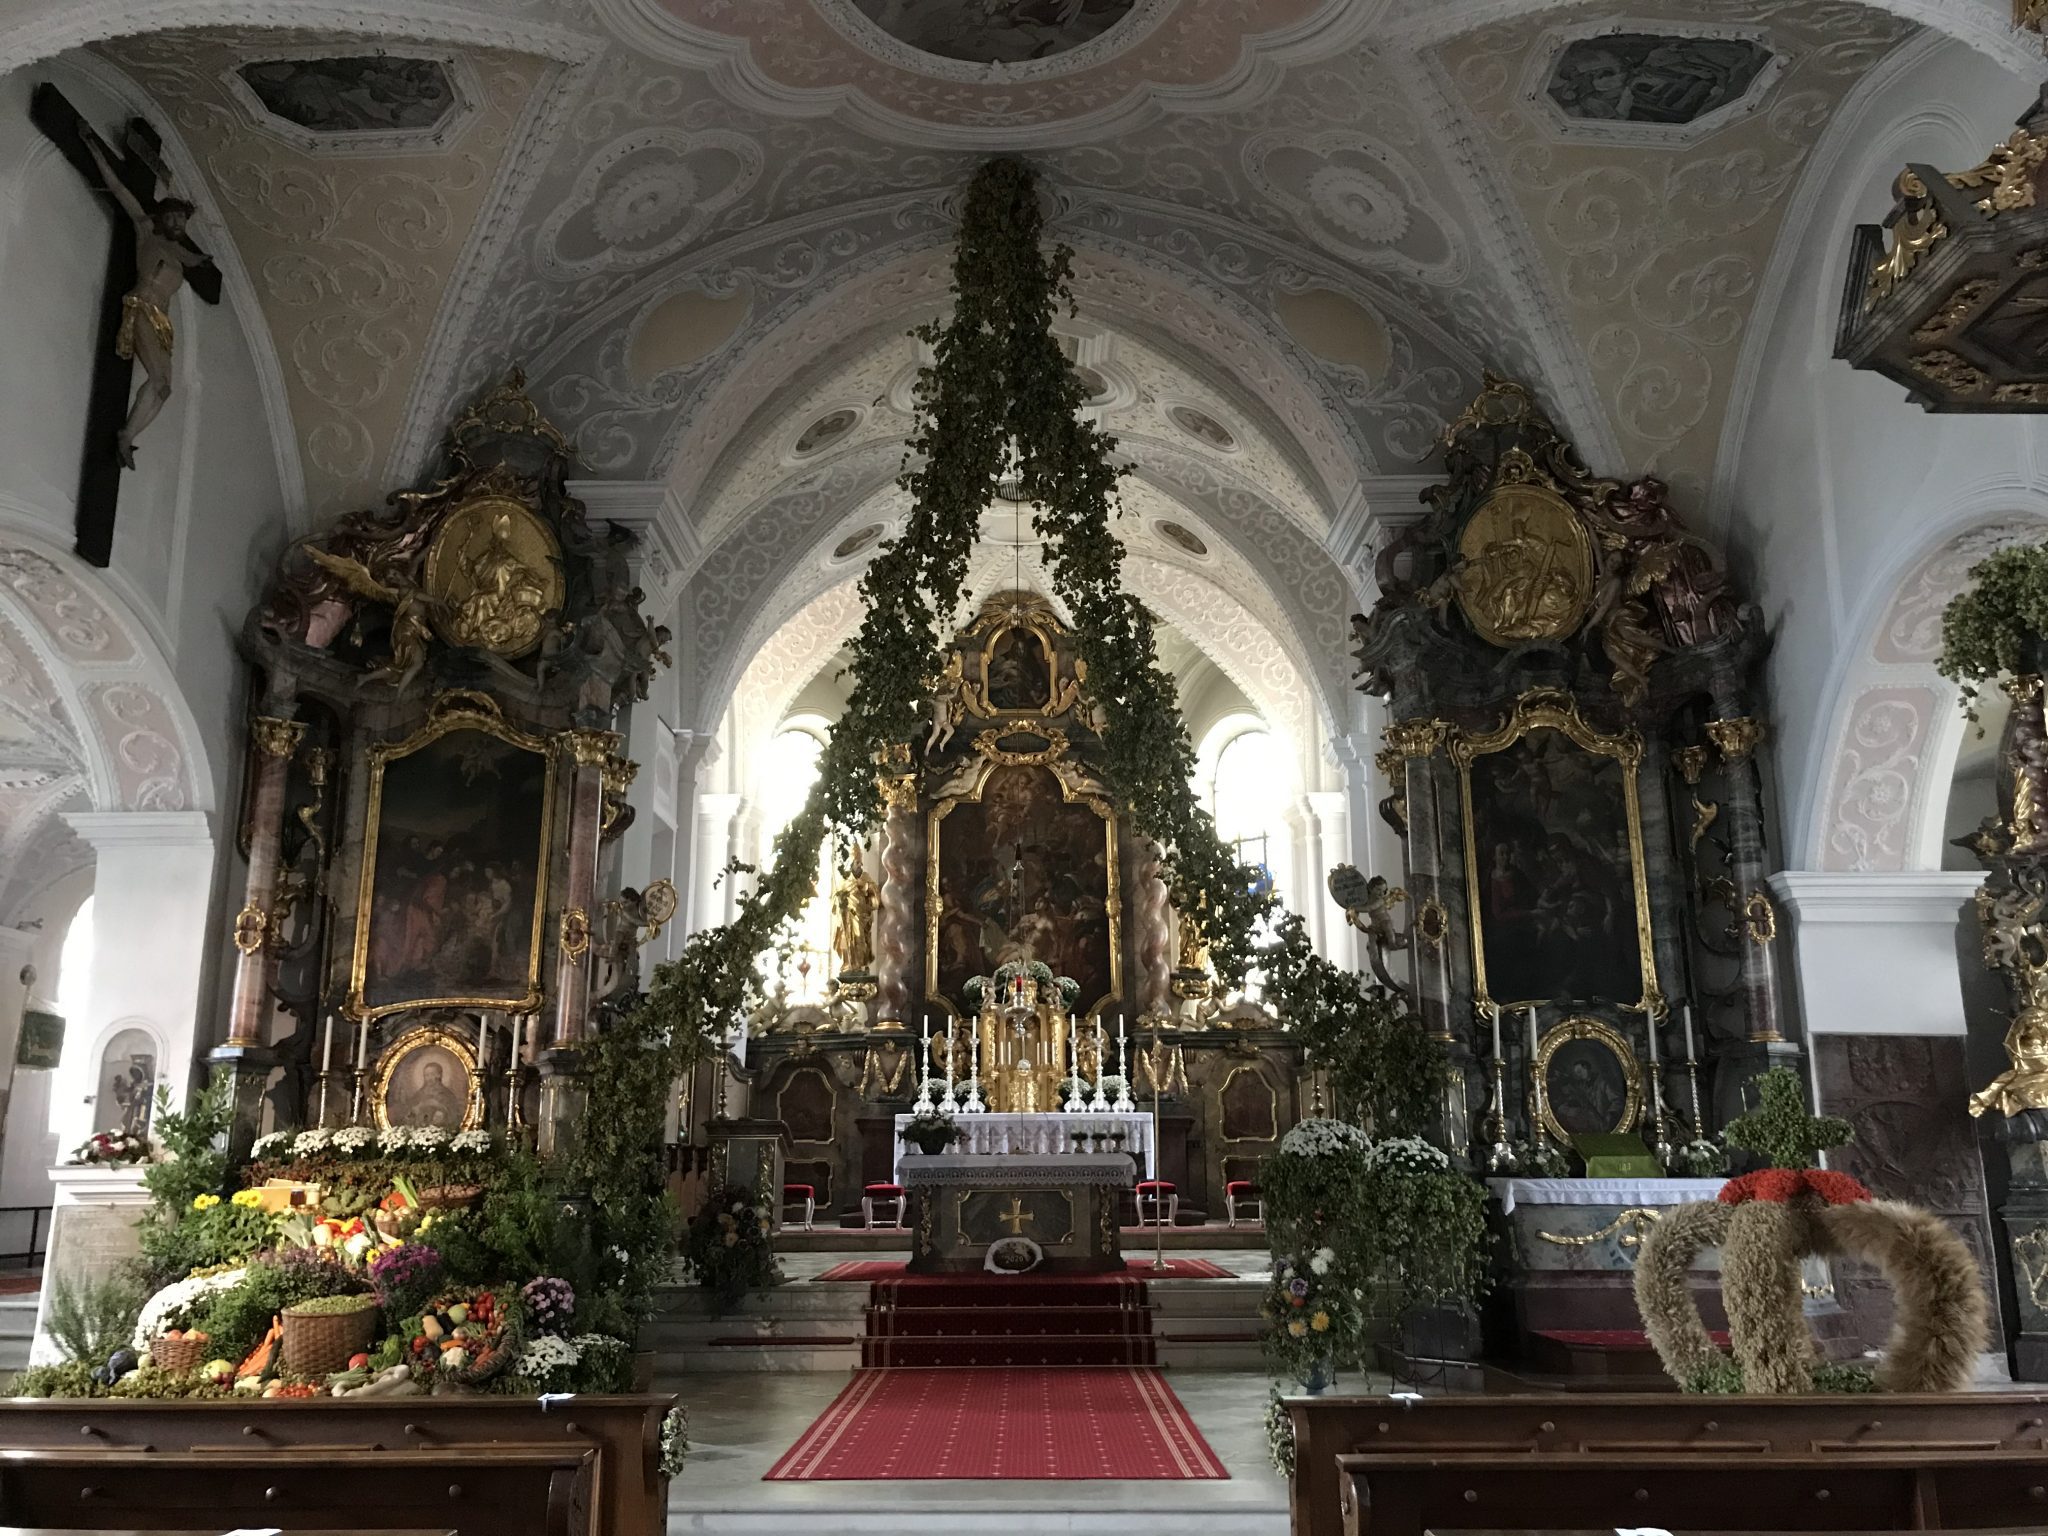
(890, 1195)
(1242, 1192)
(1165, 1202)
(804, 1194)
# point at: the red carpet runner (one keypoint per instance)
(893, 1269)
(1026, 1424)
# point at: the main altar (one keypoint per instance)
(1019, 937)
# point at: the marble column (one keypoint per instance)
(1152, 935)
(896, 945)
(1329, 820)
(272, 741)
(152, 882)
(590, 751)
(709, 891)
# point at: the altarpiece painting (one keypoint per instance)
(1021, 872)
(455, 870)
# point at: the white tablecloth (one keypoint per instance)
(1044, 1134)
(1647, 1192)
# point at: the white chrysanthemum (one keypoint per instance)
(394, 1138)
(1323, 1138)
(308, 1142)
(172, 1297)
(1408, 1154)
(547, 1353)
(472, 1141)
(354, 1138)
(266, 1145)
(428, 1138)
(1320, 1264)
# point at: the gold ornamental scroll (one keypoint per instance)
(494, 571)
(1526, 566)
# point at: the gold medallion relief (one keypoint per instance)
(1526, 567)
(495, 574)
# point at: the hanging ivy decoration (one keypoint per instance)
(1000, 401)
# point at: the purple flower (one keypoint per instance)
(1297, 1287)
(551, 1301)
(406, 1275)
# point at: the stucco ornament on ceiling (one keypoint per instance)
(996, 31)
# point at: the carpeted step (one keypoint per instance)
(972, 1293)
(1004, 1322)
(994, 1350)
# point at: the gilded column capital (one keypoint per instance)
(619, 773)
(274, 737)
(1737, 738)
(898, 790)
(1416, 738)
(590, 749)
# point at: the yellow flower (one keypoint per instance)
(247, 1197)
(205, 1202)
(1295, 1329)
(1320, 1322)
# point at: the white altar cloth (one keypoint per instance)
(1646, 1192)
(1048, 1134)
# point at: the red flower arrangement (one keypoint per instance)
(1779, 1186)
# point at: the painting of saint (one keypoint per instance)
(458, 862)
(995, 31)
(127, 1086)
(1556, 893)
(1636, 77)
(430, 1085)
(1018, 672)
(1023, 875)
(1588, 1089)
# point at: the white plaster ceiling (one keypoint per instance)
(703, 225)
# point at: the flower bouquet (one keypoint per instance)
(931, 1132)
(110, 1149)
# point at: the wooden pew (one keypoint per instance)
(1326, 1428)
(480, 1491)
(618, 1440)
(1406, 1493)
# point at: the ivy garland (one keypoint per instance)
(1000, 401)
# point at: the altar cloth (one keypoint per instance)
(1651, 1193)
(1066, 1203)
(1046, 1133)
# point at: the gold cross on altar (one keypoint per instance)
(1015, 1217)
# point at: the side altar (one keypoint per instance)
(1009, 1212)
(1003, 851)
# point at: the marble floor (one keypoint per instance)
(740, 1424)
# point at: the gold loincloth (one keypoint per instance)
(133, 308)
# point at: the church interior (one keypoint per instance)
(1094, 766)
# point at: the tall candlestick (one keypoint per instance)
(1123, 1093)
(1159, 1264)
(1096, 1100)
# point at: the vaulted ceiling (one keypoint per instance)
(704, 227)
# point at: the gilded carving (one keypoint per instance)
(1943, 367)
(274, 737)
(1759, 919)
(252, 929)
(590, 749)
(2008, 171)
(853, 920)
(1691, 763)
(1736, 739)
(1416, 738)
(1627, 1229)
(494, 574)
(1525, 569)
(1914, 232)
(575, 933)
(1961, 303)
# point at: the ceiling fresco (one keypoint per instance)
(1302, 229)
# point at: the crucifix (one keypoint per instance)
(1016, 1216)
(143, 274)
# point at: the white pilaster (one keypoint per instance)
(152, 882)
(1875, 954)
(1329, 813)
(713, 846)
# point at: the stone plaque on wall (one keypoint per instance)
(1906, 1096)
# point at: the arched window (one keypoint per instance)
(788, 770)
(74, 993)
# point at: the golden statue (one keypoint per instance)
(853, 921)
(1525, 570)
(408, 604)
(2024, 1085)
(496, 571)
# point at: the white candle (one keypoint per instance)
(327, 1045)
(363, 1046)
(949, 1055)
(1690, 1054)
(1496, 1032)
(518, 1029)
(1533, 1044)
(1651, 1031)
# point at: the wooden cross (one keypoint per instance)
(1015, 1217)
(139, 168)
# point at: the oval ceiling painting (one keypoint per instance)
(995, 31)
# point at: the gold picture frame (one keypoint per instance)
(456, 710)
(1581, 1027)
(425, 1037)
(985, 705)
(1076, 788)
(1554, 710)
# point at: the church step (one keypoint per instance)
(1076, 1349)
(1004, 1322)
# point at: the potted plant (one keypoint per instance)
(1998, 625)
(931, 1131)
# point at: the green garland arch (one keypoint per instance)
(1000, 400)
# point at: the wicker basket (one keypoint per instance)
(320, 1343)
(179, 1354)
